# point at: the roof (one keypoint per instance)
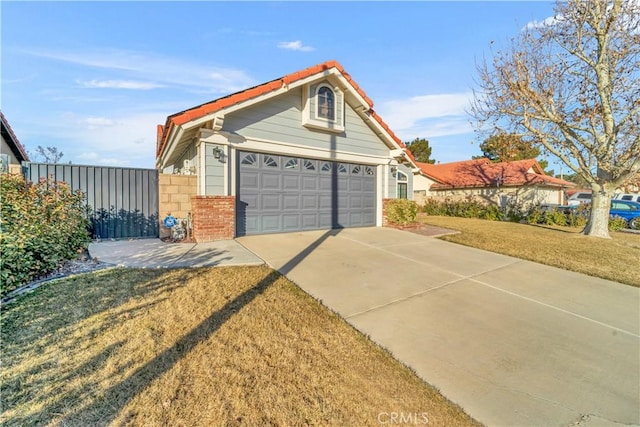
(219, 104)
(479, 173)
(12, 140)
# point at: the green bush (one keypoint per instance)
(555, 217)
(617, 223)
(401, 211)
(41, 225)
(492, 213)
(535, 216)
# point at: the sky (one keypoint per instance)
(94, 79)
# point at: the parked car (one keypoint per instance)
(629, 211)
(579, 198)
(631, 197)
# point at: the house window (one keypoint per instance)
(326, 103)
(270, 162)
(291, 164)
(402, 185)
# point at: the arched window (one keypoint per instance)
(326, 103)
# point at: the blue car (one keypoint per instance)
(630, 211)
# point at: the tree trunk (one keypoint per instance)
(598, 225)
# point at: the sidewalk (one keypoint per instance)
(154, 253)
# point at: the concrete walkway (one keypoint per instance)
(513, 342)
(154, 253)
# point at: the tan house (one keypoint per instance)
(12, 153)
(521, 182)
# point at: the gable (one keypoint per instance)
(281, 119)
(182, 128)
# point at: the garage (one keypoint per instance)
(277, 194)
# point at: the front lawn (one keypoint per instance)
(614, 259)
(209, 346)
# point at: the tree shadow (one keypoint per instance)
(115, 223)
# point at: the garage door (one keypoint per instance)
(280, 194)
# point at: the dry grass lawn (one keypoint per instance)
(197, 347)
(616, 259)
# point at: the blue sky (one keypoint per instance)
(95, 78)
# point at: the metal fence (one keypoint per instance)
(122, 202)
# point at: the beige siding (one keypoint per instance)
(5, 149)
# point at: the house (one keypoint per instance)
(522, 183)
(12, 153)
(302, 152)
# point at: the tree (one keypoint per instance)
(508, 147)
(572, 83)
(421, 150)
(49, 154)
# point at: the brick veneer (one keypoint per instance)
(214, 218)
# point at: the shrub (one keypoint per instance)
(617, 223)
(401, 211)
(492, 213)
(41, 225)
(535, 216)
(555, 217)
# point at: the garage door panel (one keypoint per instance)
(310, 183)
(291, 202)
(249, 179)
(309, 221)
(270, 202)
(270, 223)
(280, 193)
(291, 182)
(291, 222)
(309, 201)
(270, 181)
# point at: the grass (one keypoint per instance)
(564, 247)
(190, 347)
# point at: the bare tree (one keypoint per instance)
(49, 154)
(572, 84)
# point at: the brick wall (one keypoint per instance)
(214, 218)
(175, 197)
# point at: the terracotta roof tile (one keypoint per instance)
(199, 111)
(483, 173)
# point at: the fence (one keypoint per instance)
(122, 202)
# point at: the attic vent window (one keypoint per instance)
(326, 103)
(323, 107)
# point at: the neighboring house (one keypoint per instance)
(520, 182)
(12, 153)
(301, 152)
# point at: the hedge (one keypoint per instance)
(42, 225)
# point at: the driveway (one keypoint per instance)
(511, 341)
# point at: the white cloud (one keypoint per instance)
(428, 115)
(95, 122)
(119, 84)
(547, 22)
(295, 45)
(140, 67)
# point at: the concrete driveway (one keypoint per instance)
(513, 342)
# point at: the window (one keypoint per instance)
(342, 168)
(368, 170)
(402, 185)
(309, 165)
(270, 162)
(326, 103)
(248, 159)
(323, 107)
(326, 167)
(355, 170)
(291, 164)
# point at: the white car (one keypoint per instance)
(631, 197)
(579, 198)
